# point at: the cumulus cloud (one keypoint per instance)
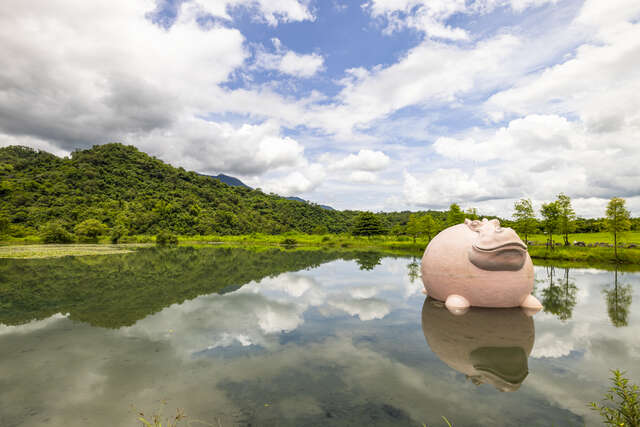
(362, 177)
(365, 308)
(211, 146)
(270, 11)
(301, 180)
(103, 78)
(289, 62)
(536, 156)
(431, 17)
(365, 160)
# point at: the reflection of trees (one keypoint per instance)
(368, 260)
(618, 302)
(413, 270)
(117, 290)
(559, 297)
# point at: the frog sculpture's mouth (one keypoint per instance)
(508, 256)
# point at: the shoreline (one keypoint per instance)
(596, 257)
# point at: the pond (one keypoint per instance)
(304, 337)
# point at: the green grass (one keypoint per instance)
(600, 237)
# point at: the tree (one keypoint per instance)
(367, 224)
(4, 224)
(117, 233)
(454, 215)
(368, 260)
(525, 217)
(617, 220)
(54, 232)
(429, 225)
(413, 269)
(165, 238)
(559, 298)
(90, 230)
(618, 302)
(471, 213)
(550, 217)
(414, 226)
(566, 217)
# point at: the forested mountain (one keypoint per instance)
(229, 180)
(119, 185)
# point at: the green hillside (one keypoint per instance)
(119, 185)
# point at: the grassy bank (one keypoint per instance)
(594, 256)
(590, 256)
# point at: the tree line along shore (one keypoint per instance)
(114, 193)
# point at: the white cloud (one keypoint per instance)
(83, 73)
(442, 187)
(220, 147)
(301, 180)
(538, 156)
(431, 16)
(365, 309)
(362, 177)
(365, 160)
(289, 62)
(270, 11)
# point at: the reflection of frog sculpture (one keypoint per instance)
(478, 263)
(488, 346)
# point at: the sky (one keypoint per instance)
(382, 105)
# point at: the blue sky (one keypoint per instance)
(378, 104)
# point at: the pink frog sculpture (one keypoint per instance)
(479, 264)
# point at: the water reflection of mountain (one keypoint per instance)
(487, 345)
(117, 290)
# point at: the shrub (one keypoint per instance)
(326, 238)
(623, 400)
(54, 232)
(165, 238)
(289, 242)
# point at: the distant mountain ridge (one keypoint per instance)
(298, 199)
(229, 180)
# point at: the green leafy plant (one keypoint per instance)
(621, 403)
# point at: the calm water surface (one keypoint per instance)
(239, 337)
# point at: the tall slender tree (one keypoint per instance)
(414, 226)
(566, 220)
(455, 215)
(617, 220)
(525, 218)
(618, 302)
(550, 216)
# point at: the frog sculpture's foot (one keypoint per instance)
(457, 304)
(531, 305)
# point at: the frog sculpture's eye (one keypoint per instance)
(474, 225)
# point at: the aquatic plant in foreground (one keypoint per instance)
(621, 403)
